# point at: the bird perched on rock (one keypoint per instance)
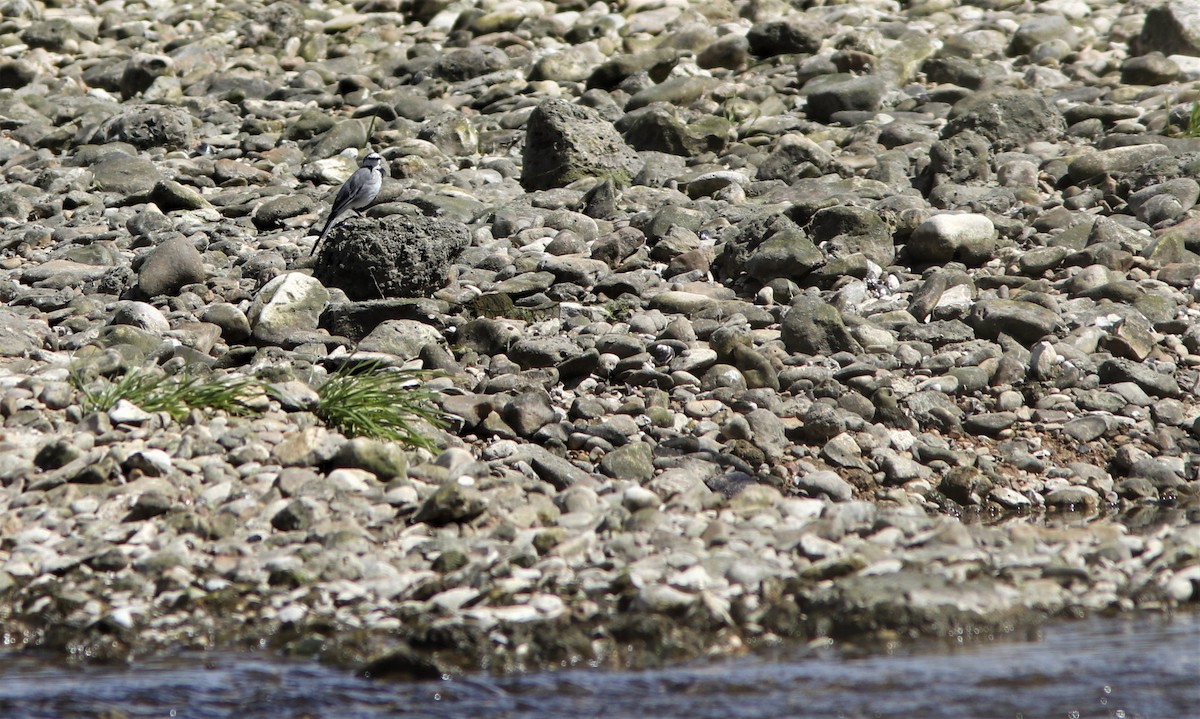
(357, 192)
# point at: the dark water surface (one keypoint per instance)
(1144, 667)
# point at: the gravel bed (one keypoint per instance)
(755, 322)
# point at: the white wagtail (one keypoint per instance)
(357, 192)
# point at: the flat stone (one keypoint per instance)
(1155, 383)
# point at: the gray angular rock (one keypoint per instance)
(570, 64)
(15, 206)
(1116, 369)
(863, 93)
(656, 63)
(542, 351)
(149, 126)
(1164, 201)
(453, 501)
(271, 214)
(386, 460)
(551, 468)
(289, 304)
(452, 133)
(566, 142)
(965, 485)
(824, 483)
(633, 462)
(731, 52)
(843, 451)
(235, 326)
(1041, 29)
(1024, 321)
(963, 157)
(1114, 161)
(56, 34)
(17, 73)
(1082, 499)
(1153, 68)
(125, 175)
(795, 156)
(170, 266)
(298, 514)
(21, 335)
(935, 283)
(1008, 118)
(990, 423)
(678, 91)
(934, 410)
(814, 327)
(487, 335)
(405, 339)
(349, 134)
(528, 412)
(171, 195)
(788, 254)
(966, 237)
(467, 63)
(140, 314)
(57, 274)
(843, 231)
(659, 128)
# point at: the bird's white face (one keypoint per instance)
(373, 160)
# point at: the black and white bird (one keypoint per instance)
(358, 192)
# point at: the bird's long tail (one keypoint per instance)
(324, 231)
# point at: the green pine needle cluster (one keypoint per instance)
(366, 400)
(372, 401)
(174, 394)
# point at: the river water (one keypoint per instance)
(1126, 668)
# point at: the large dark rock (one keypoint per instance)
(1172, 28)
(397, 256)
(142, 70)
(795, 34)
(17, 73)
